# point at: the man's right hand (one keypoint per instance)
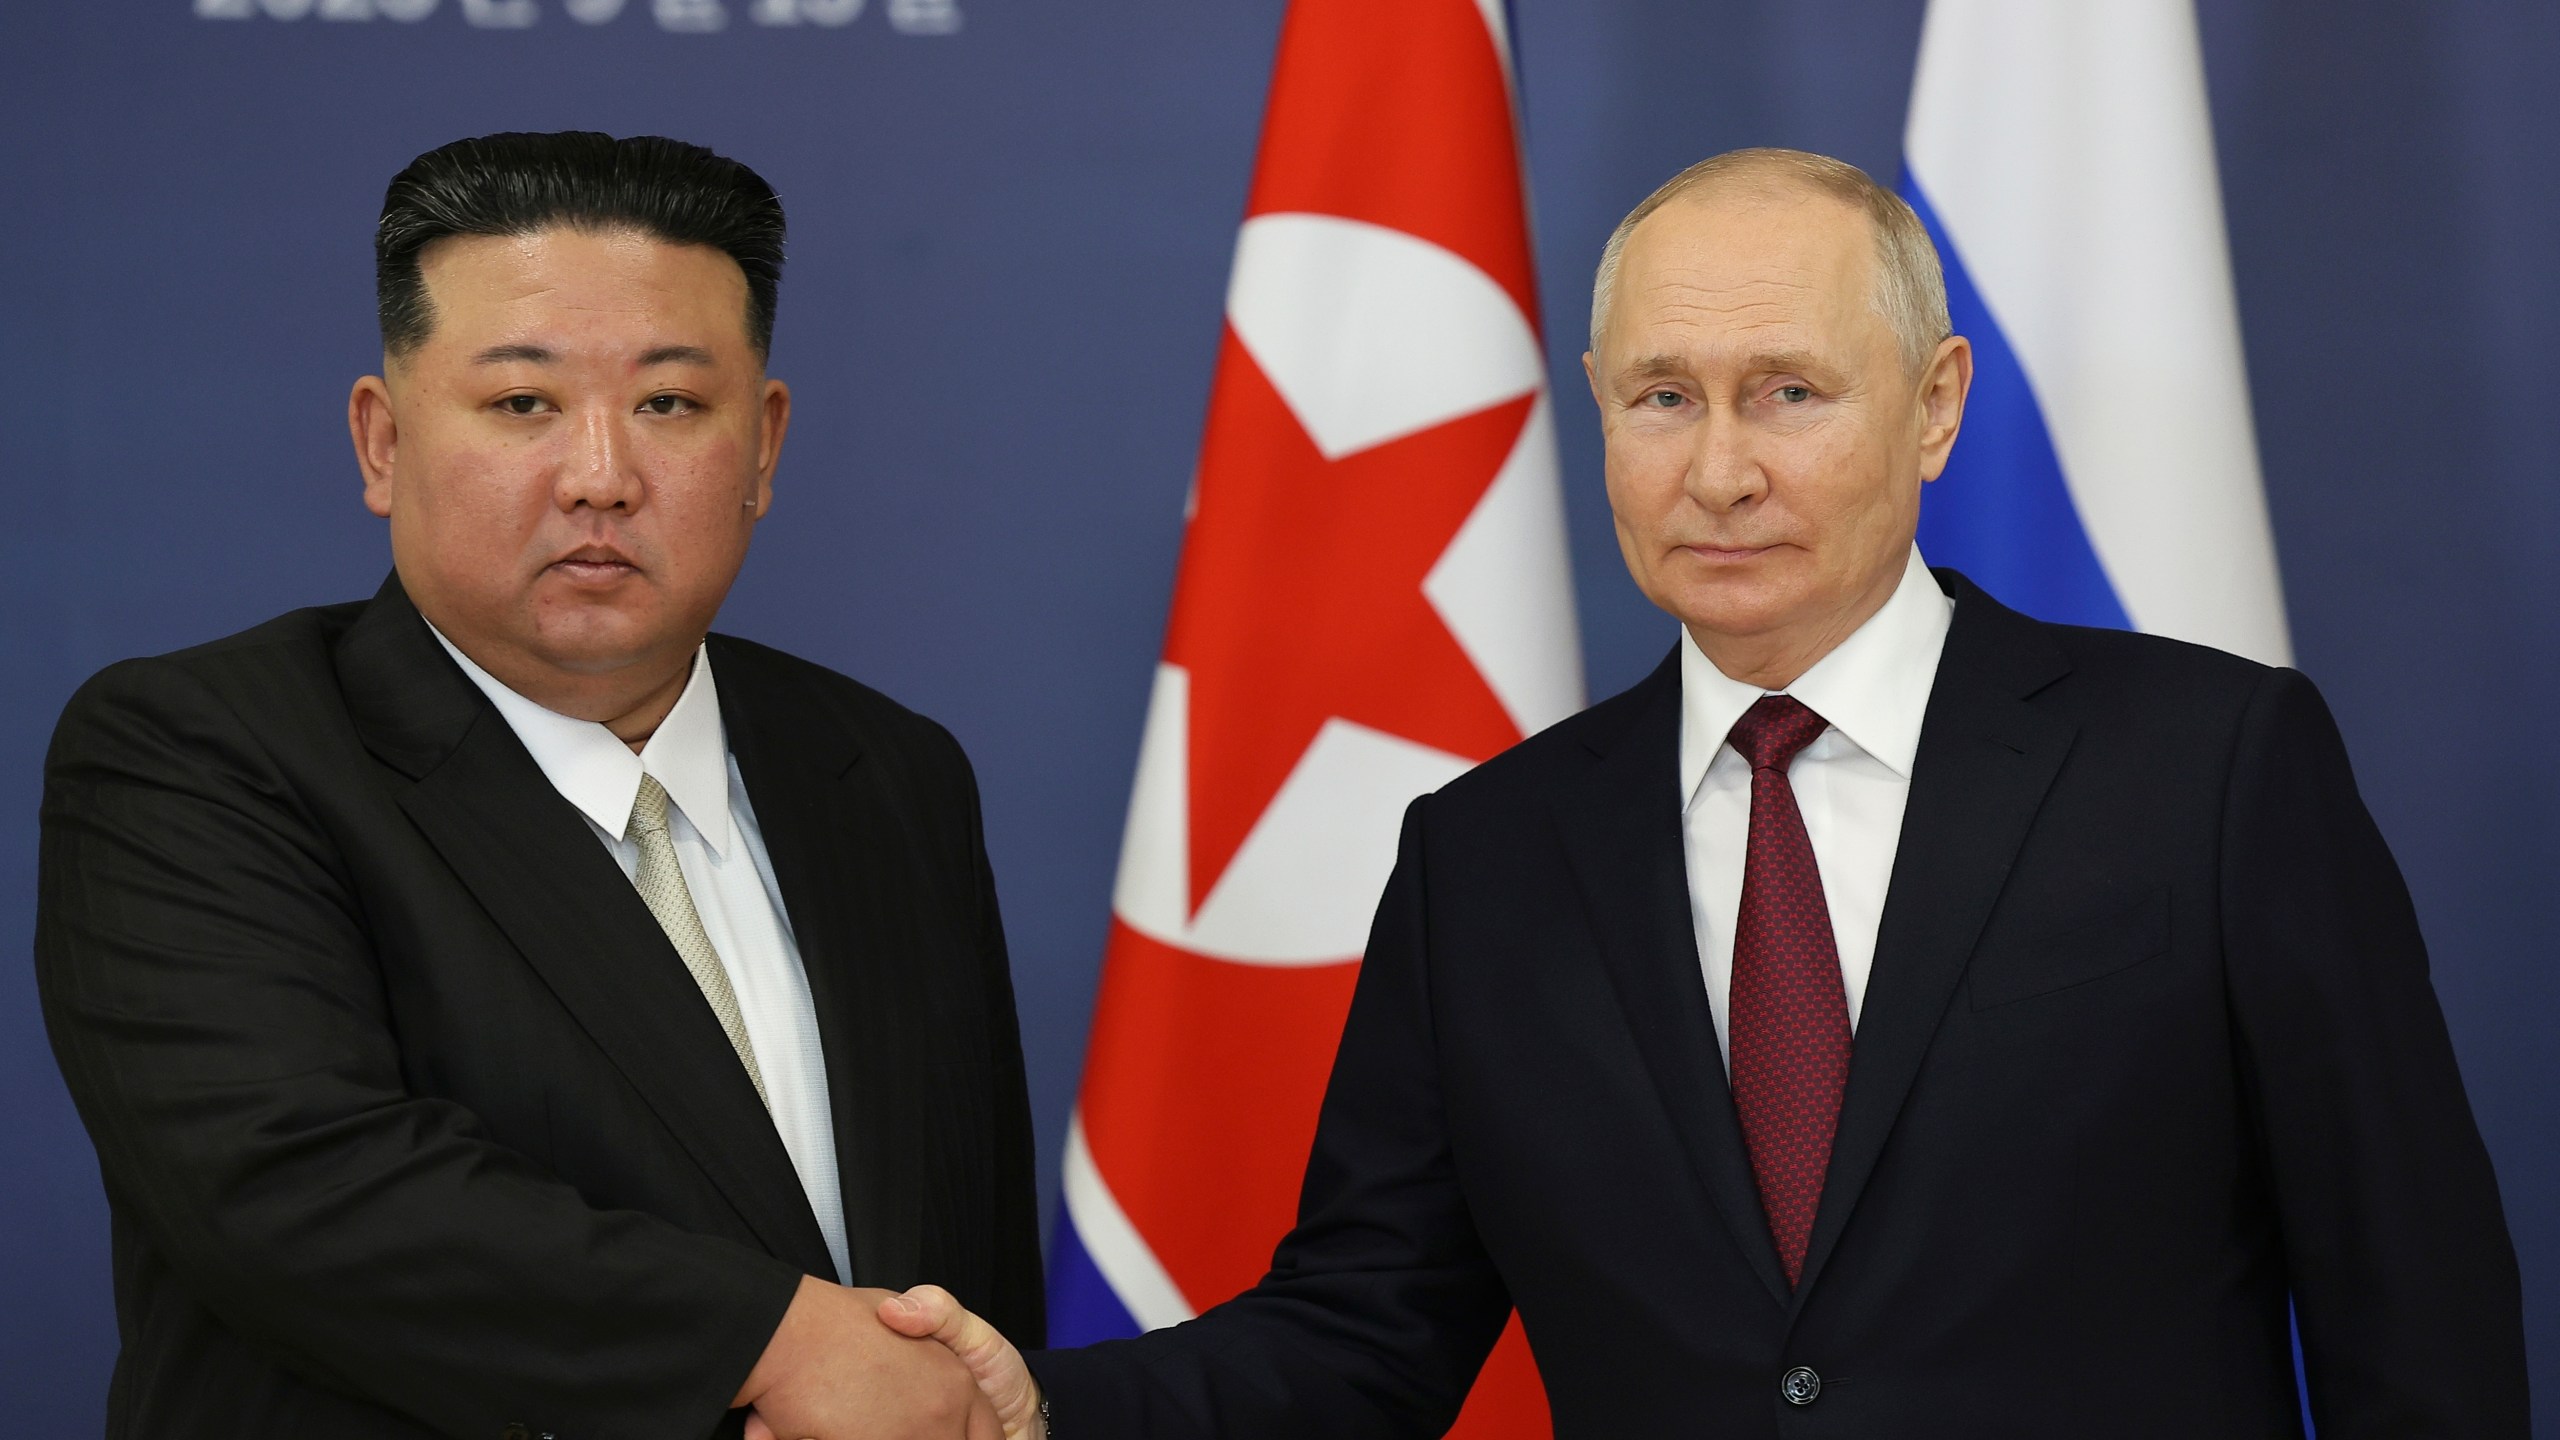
(930, 1311)
(833, 1371)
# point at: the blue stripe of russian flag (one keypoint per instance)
(2001, 513)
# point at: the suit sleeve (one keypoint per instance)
(1381, 1304)
(215, 1004)
(2404, 1280)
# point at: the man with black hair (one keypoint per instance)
(502, 1007)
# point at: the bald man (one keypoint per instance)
(1895, 1017)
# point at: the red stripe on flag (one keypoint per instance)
(1400, 115)
(1201, 1086)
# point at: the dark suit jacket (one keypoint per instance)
(2148, 1048)
(411, 1120)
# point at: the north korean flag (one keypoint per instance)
(1373, 596)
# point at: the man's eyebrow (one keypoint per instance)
(676, 355)
(501, 354)
(1654, 367)
(1793, 362)
(1800, 362)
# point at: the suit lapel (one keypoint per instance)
(1622, 835)
(1985, 761)
(532, 863)
(835, 843)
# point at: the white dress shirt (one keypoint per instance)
(721, 850)
(1851, 783)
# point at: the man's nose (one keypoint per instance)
(1724, 468)
(598, 471)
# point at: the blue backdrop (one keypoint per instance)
(1010, 229)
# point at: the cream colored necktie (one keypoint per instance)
(662, 889)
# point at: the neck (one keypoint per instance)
(632, 700)
(636, 724)
(1776, 659)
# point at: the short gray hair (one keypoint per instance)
(1910, 291)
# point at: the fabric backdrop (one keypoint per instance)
(1011, 225)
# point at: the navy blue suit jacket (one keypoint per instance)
(2148, 1051)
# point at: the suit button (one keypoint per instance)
(1800, 1386)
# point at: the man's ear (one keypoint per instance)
(1591, 377)
(377, 438)
(1943, 387)
(771, 426)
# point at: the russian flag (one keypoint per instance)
(2062, 158)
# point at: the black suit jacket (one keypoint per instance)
(411, 1120)
(2148, 1048)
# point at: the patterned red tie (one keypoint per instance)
(1789, 1014)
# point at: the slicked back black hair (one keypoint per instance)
(515, 184)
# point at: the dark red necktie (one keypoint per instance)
(1789, 1016)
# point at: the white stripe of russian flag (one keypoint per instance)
(2065, 155)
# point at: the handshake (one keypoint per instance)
(849, 1364)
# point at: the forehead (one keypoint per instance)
(1748, 266)
(569, 277)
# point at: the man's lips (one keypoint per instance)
(594, 563)
(1716, 554)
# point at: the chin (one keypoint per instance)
(595, 643)
(1732, 605)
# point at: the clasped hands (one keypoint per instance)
(854, 1364)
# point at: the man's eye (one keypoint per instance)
(666, 405)
(521, 404)
(1665, 399)
(1795, 394)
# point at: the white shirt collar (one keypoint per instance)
(594, 771)
(1873, 687)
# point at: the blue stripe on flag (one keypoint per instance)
(2301, 1377)
(2001, 513)
(1082, 1305)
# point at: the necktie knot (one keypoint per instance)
(649, 808)
(1771, 732)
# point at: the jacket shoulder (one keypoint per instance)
(2131, 676)
(247, 673)
(2131, 649)
(779, 678)
(1565, 751)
